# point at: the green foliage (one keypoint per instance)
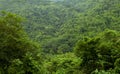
(103, 72)
(63, 64)
(57, 25)
(27, 65)
(12, 38)
(49, 20)
(100, 52)
(14, 44)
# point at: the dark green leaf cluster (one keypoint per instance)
(14, 46)
(100, 52)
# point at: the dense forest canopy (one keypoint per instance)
(59, 36)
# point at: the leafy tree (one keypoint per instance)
(63, 64)
(14, 42)
(99, 52)
(27, 66)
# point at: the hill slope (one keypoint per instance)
(58, 25)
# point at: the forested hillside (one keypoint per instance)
(59, 36)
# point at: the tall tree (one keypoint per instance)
(14, 42)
